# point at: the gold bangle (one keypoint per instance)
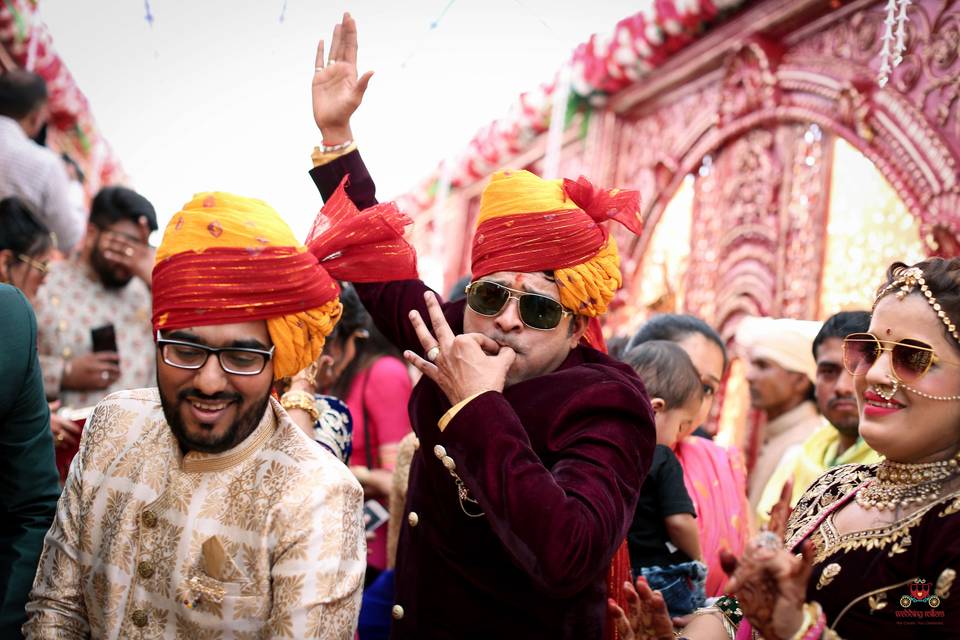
(729, 627)
(299, 399)
(811, 615)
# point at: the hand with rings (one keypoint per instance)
(461, 365)
(65, 432)
(91, 371)
(130, 252)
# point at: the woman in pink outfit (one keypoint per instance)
(370, 377)
(715, 476)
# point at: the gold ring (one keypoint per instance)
(128, 251)
(433, 353)
(59, 437)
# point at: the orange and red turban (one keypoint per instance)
(530, 224)
(226, 259)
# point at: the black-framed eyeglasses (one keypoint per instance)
(42, 267)
(909, 359)
(537, 311)
(240, 361)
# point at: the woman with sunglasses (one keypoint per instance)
(870, 550)
(26, 247)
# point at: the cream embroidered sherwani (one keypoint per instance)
(264, 540)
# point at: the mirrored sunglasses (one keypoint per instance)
(536, 311)
(909, 359)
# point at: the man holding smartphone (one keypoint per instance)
(94, 308)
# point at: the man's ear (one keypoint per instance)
(6, 258)
(578, 327)
(34, 121)
(658, 405)
(801, 383)
(90, 238)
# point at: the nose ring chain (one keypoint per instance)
(896, 384)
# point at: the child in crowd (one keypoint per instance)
(663, 540)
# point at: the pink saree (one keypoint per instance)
(716, 479)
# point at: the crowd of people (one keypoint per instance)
(360, 457)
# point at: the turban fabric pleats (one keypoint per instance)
(530, 224)
(227, 259)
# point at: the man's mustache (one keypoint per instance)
(194, 394)
(835, 401)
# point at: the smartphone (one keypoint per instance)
(374, 515)
(104, 338)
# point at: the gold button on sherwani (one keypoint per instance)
(149, 519)
(139, 618)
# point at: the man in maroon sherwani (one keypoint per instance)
(532, 445)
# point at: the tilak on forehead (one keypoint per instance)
(905, 280)
(228, 259)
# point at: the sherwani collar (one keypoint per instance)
(197, 462)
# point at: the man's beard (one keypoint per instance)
(106, 272)
(243, 426)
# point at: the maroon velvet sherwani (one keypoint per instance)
(555, 465)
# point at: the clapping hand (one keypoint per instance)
(337, 91)
(769, 582)
(646, 617)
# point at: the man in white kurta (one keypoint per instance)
(780, 371)
(199, 509)
(262, 540)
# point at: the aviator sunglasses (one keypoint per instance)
(536, 311)
(909, 358)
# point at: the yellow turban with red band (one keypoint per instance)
(530, 224)
(226, 259)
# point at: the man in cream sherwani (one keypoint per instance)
(199, 509)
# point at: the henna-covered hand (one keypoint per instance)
(771, 586)
(646, 617)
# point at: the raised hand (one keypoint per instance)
(337, 91)
(462, 366)
(780, 512)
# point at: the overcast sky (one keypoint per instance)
(215, 95)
